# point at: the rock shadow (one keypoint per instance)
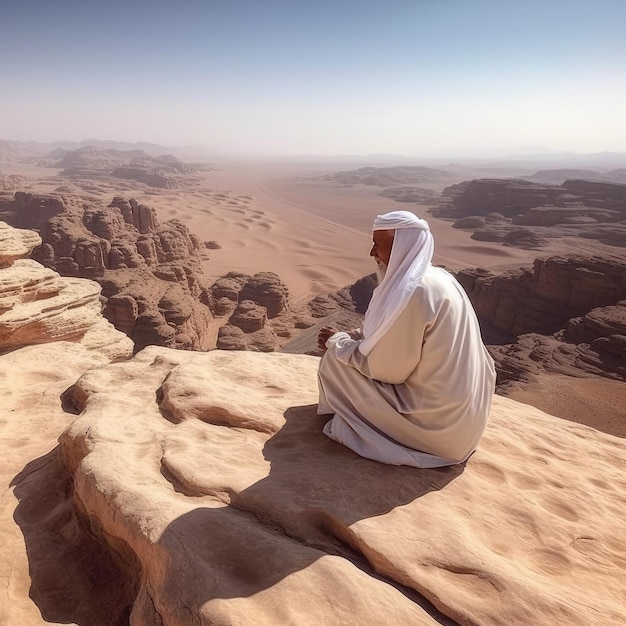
(301, 511)
(73, 578)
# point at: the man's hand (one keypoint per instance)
(325, 333)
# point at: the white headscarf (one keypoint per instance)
(411, 255)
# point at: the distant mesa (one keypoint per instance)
(389, 176)
(530, 214)
(34, 151)
(416, 195)
(559, 176)
(164, 171)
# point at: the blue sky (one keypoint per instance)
(420, 77)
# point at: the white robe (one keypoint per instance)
(422, 396)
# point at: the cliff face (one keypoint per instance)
(51, 331)
(566, 314)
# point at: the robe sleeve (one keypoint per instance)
(394, 357)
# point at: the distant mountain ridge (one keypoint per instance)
(35, 149)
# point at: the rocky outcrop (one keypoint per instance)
(544, 298)
(307, 532)
(589, 209)
(39, 306)
(34, 210)
(565, 315)
(150, 177)
(400, 175)
(149, 271)
(162, 171)
(255, 310)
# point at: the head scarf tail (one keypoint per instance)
(411, 255)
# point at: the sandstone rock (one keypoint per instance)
(124, 310)
(212, 245)
(307, 532)
(129, 252)
(599, 322)
(26, 281)
(228, 286)
(524, 238)
(249, 316)
(544, 298)
(152, 178)
(40, 531)
(15, 244)
(472, 221)
(144, 218)
(223, 307)
(38, 306)
(267, 290)
(571, 209)
(231, 338)
(389, 176)
(416, 195)
(34, 210)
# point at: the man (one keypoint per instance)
(415, 386)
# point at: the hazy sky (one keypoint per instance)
(417, 77)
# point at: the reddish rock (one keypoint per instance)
(231, 338)
(153, 267)
(249, 316)
(267, 290)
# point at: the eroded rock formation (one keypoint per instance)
(149, 270)
(89, 161)
(307, 532)
(533, 213)
(565, 315)
(255, 309)
(39, 306)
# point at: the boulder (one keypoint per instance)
(267, 290)
(249, 316)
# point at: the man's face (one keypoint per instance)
(381, 250)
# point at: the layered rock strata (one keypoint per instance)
(37, 305)
(565, 315)
(532, 214)
(307, 532)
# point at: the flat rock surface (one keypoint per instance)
(210, 476)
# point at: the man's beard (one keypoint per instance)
(381, 270)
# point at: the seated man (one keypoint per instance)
(415, 386)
